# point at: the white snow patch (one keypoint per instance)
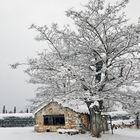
(120, 122)
(96, 103)
(76, 105)
(116, 113)
(63, 131)
(21, 115)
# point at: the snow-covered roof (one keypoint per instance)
(20, 115)
(76, 105)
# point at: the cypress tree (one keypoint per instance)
(3, 109)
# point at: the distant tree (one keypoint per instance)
(14, 109)
(4, 111)
(27, 110)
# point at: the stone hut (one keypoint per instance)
(55, 115)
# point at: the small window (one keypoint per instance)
(54, 120)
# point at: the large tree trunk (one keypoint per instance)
(137, 120)
(96, 123)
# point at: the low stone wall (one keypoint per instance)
(17, 122)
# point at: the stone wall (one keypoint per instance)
(13, 121)
(72, 118)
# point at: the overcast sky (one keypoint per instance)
(17, 43)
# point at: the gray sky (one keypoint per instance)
(17, 43)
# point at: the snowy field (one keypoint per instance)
(27, 133)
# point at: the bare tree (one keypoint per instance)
(90, 63)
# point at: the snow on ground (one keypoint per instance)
(27, 133)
